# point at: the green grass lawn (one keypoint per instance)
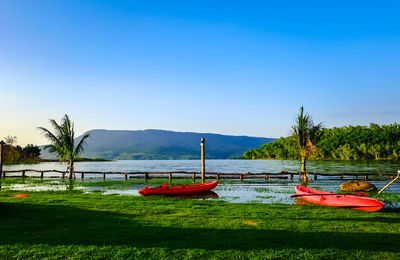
(77, 225)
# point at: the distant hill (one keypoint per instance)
(162, 144)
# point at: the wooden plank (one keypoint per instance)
(203, 160)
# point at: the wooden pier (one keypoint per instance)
(185, 174)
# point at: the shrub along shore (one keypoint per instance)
(78, 225)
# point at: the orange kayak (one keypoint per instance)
(19, 195)
(179, 190)
(338, 200)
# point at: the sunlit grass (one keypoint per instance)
(72, 224)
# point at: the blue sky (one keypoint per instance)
(230, 67)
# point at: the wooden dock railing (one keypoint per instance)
(188, 174)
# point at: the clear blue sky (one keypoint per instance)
(229, 67)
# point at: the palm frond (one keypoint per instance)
(56, 126)
(49, 135)
(304, 132)
(81, 145)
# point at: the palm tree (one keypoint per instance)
(62, 142)
(305, 136)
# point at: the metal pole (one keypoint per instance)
(203, 161)
(2, 143)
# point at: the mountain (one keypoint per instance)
(162, 144)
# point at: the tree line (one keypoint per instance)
(15, 154)
(341, 143)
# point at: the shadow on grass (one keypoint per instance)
(367, 218)
(63, 225)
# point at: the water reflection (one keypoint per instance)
(238, 166)
(201, 195)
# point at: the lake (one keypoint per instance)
(238, 166)
(263, 191)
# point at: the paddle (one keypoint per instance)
(360, 194)
(398, 176)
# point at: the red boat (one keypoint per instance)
(338, 200)
(179, 190)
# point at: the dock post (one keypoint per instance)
(2, 143)
(291, 176)
(41, 175)
(241, 177)
(315, 176)
(126, 177)
(104, 175)
(23, 174)
(203, 161)
(194, 176)
(267, 176)
(170, 176)
(82, 175)
(146, 176)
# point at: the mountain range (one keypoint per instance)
(162, 144)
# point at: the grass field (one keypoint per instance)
(78, 225)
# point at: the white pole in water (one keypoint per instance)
(203, 161)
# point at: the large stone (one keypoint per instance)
(357, 186)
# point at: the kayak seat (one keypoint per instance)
(164, 186)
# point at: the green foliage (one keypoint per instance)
(63, 139)
(18, 155)
(63, 142)
(304, 132)
(341, 143)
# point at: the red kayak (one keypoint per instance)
(338, 200)
(19, 195)
(179, 190)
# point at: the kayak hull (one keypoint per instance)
(339, 200)
(179, 190)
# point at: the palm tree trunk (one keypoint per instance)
(71, 168)
(303, 164)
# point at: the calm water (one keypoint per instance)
(262, 191)
(239, 166)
